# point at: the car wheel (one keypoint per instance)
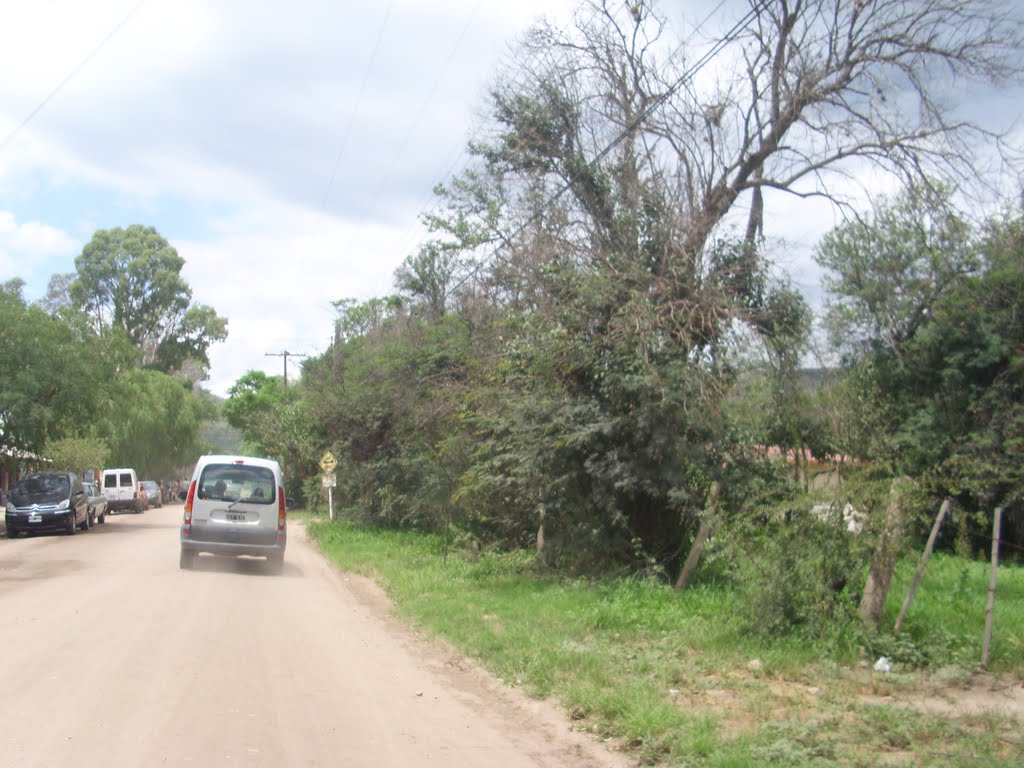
(186, 560)
(102, 517)
(84, 525)
(71, 527)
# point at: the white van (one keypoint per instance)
(234, 505)
(121, 487)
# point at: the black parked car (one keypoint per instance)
(48, 501)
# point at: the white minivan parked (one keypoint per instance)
(234, 505)
(121, 487)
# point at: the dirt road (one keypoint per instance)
(112, 656)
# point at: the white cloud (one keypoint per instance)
(275, 273)
(223, 124)
(24, 246)
(285, 149)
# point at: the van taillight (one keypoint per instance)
(280, 512)
(186, 527)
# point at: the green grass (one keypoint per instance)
(669, 674)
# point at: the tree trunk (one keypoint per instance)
(883, 563)
(706, 526)
(943, 511)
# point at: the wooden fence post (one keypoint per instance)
(706, 525)
(943, 511)
(990, 610)
(883, 563)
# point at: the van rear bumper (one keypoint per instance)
(234, 548)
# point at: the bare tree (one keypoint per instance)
(822, 84)
(800, 96)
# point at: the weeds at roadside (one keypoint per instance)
(679, 679)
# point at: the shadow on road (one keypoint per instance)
(246, 566)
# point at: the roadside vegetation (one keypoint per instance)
(688, 680)
(103, 370)
(598, 437)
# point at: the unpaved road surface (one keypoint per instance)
(112, 656)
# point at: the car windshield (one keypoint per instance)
(43, 486)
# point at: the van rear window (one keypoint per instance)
(235, 482)
(126, 480)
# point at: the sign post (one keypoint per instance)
(328, 464)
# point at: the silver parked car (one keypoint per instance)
(153, 493)
(97, 502)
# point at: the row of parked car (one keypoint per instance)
(233, 506)
(47, 501)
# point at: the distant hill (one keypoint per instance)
(219, 435)
(222, 437)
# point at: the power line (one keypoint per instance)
(358, 104)
(81, 65)
(413, 124)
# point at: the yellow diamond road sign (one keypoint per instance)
(328, 462)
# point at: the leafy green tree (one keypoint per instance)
(887, 276)
(566, 338)
(933, 385)
(152, 422)
(129, 282)
(51, 382)
(78, 453)
(275, 422)
(974, 347)
(886, 273)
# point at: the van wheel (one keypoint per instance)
(186, 560)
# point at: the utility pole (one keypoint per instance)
(285, 354)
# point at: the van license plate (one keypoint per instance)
(236, 517)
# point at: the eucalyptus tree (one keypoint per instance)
(129, 282)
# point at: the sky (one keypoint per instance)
(285, 149)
